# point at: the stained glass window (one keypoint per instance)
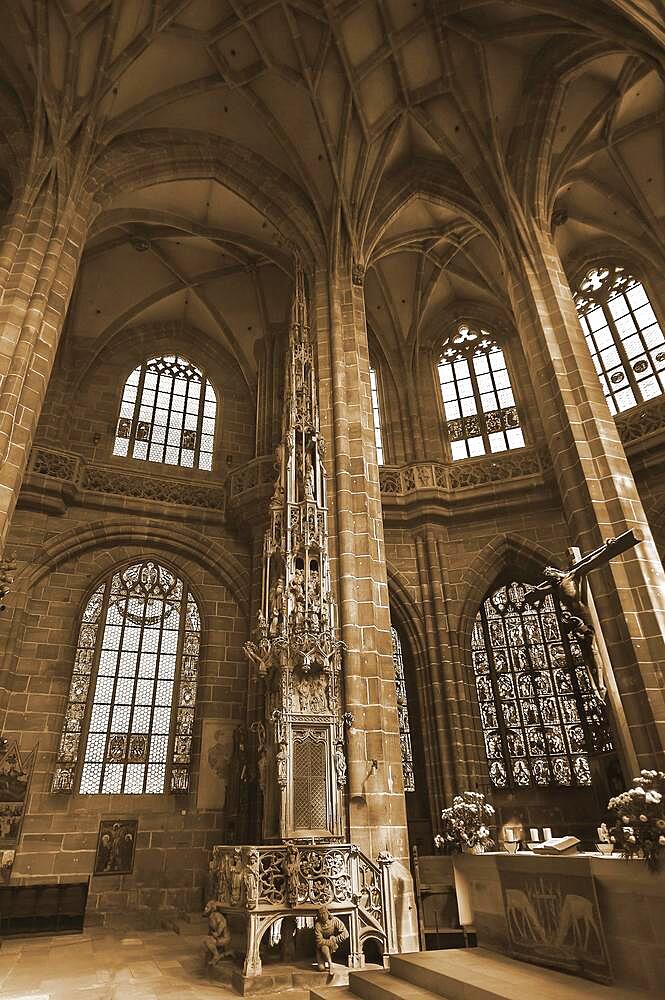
(625, 339)
(167, 414)
(480, 411)
(376, 414)
(540, 712)
(403, 713)
(133, 684)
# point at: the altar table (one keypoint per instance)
(597, 916)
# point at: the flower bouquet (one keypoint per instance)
(639, 818)
(465, 824)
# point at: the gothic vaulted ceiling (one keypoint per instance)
(222, 133)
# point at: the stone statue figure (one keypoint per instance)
(309, 477)
(218, 938)
(340, 765)
(234, 877)
(250, 877)
(329, 932)
(291, 868)
(298, 596)
(276, 606)
(7, 569)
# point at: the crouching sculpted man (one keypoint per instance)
(218, 938)
(329, 932)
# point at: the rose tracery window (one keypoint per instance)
(540, 713)
(376, 415)
(133, 688)
(625, 340)
(480, 411)
(403, 713)
(167, 414)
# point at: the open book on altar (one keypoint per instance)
(556, 845)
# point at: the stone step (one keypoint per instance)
(387, 986)
(477, 974)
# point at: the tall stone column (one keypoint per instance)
(377, 807)
(598, 491)
(40, 249)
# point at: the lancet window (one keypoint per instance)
(540, 711)
(376, 415)
(167, 414)
(479, 405)
(623, 334)
(130, 714)
(403, 713)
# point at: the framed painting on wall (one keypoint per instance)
(15, 775)
(116, 844)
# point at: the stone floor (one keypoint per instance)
(98, 965)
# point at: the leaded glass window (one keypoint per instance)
(403, 713)
(133, 688)
(540, 713)
(625, 339)
(478, 401)
(167, 414)
(376, 415)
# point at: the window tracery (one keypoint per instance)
(403, 713)
(167, 414)
(479, 405)
(540, 714)
(133, 688)
(626, 342)
(376, 414)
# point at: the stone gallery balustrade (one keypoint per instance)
(641, 430)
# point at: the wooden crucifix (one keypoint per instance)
(567, 587)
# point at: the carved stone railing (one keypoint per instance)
(641, 422)
(466, 474)
(266, 884)
(79, 477)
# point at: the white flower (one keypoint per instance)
(654, 797)
(643, 818)
(661, 841)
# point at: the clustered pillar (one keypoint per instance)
(598, 491)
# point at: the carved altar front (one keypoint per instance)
(264, 884)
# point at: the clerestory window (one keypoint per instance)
(167, 414)
(478, 401)
(540, 711)
(625, 339)
(130, 714)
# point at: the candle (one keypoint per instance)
(510, 835)
(547, 833)
(533, 832)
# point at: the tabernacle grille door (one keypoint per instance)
(310, 773)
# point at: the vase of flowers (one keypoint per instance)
(638, 829)
(465, 825)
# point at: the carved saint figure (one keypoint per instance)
(309, 477)
(291, 868)
(282, 765)
(298, 597)
(276, 606)
(329, 932)
(319, 696)
(250, 878)
(304, 694)
(340, 765)
(234, 877)
(218, 939)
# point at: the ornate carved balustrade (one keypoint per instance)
(75, 479)
(642, 429)
(266, 884)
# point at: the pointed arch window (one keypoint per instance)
(167, 414)
(626, 341)
(540, 712)
(403, 713)
(478, 401)
(130, 715)
(376, 415)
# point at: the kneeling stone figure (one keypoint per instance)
(218, 938)
(329, 932)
